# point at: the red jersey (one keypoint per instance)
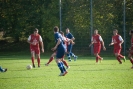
(97, 40)
(35, 39)
(117, 40)
(66, 40)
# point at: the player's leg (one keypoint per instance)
(118, 58)
(33, 57)
(65, 63)
(116, 53)
(51, 59)
(59, 55)
(68, 52)
(2, 69)
(121, 56)
(37, 52)
(38, 59)
(72, 54)
(98, 51)
(131, 59)
(96, 55)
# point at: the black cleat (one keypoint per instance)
(33, 65)
(4, 70)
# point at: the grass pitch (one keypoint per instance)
(83, 74)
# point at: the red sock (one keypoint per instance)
(121, 56)
(65, 63)
(96, 59)
(118, 58)
(51, 59)
(38, 60)
(131, 60)
(32, 59)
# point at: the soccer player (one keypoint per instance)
(3, 69)
(60, 50)
(66, 40)
(130, 54)
(70, 45)
(117, 42)
(34, 40)
(96, 41)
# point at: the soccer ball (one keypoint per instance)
(29, 67)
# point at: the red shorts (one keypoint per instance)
(97, 49)
(118, 50)
(35, 49)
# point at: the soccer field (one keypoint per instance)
(83, 74)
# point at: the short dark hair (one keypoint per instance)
(35, 29)
(115, 30)
(56, 29)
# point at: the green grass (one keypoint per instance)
(83, 74)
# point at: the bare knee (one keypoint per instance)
(116, 55)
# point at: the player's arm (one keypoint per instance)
(41, 43)
(121, 40)
(29, 41)
(72, 37)
(112, 43)
(58, 42)
(92, 42)
(69, 40)
(100, 38)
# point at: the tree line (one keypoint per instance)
(19, 17)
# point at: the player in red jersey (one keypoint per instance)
(96, 41)
(117, 42)
(66, 40)
(130, 54)
(34, 40)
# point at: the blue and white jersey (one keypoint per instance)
(57, 36)
(69, 35)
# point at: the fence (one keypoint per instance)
(82, 17)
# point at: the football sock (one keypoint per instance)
(64, 69)
(1, 69)
(38, 60)
(121, 56)
(131, 60)
(118, 58)
(32, 59)
(96, 59)
(51, 59)
(68, 56)
(60, 67)
(65, 63)
(99, 57)
(72, 55)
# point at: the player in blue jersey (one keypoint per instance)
(69, 47)
(3, 69)
(60, 50)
